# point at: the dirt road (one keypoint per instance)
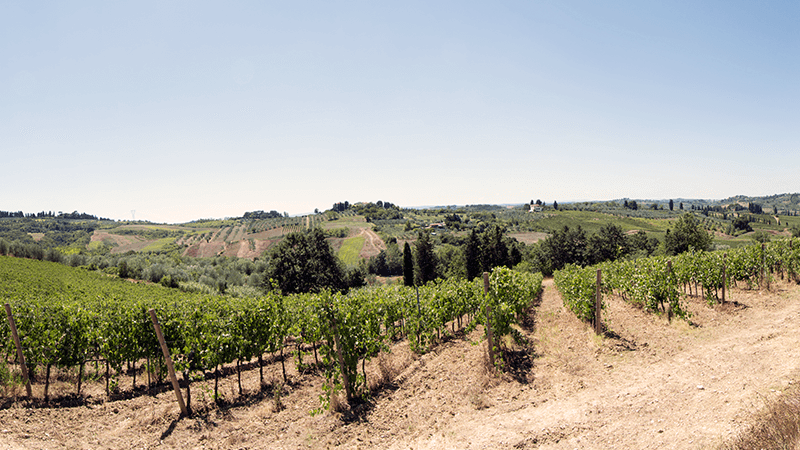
(678, 386)
(373, 244)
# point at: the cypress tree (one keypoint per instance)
(408, 266)
(424, 260)
(495, 252)
(472, 255)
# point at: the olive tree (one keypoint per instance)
(688, 234)
(305, 262)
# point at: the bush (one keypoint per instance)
(167, 281)
(337, 232)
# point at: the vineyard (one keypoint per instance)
(67, 318)
(657, 284)
(88, 339)
(653, 384)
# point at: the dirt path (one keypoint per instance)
(688, 389)
(373, 244)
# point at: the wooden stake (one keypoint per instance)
(669, 274)
(80, 376)
(164, 349)
(724, 274)
(419, 318)
(20, 355)
(261, 372)
(488, 311)
(239, 374)
(283, 364)
(47, 382)
(598, 325)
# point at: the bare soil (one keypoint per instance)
(205, 249)
(237, 244)
(121, 243)
(373, 244)
(647, 383)
(528, 238)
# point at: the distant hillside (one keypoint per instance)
(783, 202)
(788, 204)
(252, 234)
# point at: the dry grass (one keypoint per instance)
(277, 394)
(387, 370)
(338, 405)
(479, 400)
(777, 426)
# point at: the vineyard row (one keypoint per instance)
(64, 322)
(658, 283)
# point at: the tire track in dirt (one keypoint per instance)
(373, 244)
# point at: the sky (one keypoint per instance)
(181, 110)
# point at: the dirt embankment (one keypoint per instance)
(373, 244)
(647, 384)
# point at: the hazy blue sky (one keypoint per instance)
(189, 109)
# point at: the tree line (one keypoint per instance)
(262, 215)
(75, 215)
(305, 261)
(447, 256)
(610, 243)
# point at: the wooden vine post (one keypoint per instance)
(724, 274)
(669, 306)
(419, 317)
(598, 325)
(765, 274)
(20, 355)
(488, 312)
(164, 349)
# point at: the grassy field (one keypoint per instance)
(351, 223)
(350, 250)
(158, 245)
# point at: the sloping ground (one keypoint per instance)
(230, 241)
(373, 244)
(205, 249)
(647, 384)
(247, 249)
(234, 242)
(268, 234)
(120, 243)
(350, 249)
(238, 233)
(528, 238)
(240, 249)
